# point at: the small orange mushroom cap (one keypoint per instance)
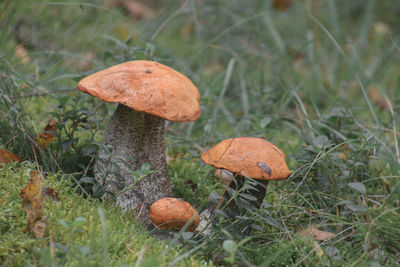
(173, 213)
(146, 86)
(249, 156)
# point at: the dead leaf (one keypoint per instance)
(40, 228)
(50, 193)
(32, 200)
(376, 97)
(6, 156)
(134, 8)
(186, 30)
(45, 138)
(281, 5)
(318, 249)
(21, 53)
(315, 234)
(382, 28)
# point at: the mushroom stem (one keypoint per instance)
(259, 193)
(141, 136)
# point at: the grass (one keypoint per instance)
(82, 231)
(320, 80)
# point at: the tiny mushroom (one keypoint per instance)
(173, 213)
(251, 157)
(148, 93)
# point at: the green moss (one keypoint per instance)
(76, 228)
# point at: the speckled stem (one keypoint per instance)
(141, 136)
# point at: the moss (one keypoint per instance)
(76, 228)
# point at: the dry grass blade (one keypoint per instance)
(315, 234)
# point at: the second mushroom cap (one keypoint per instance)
(249, 156)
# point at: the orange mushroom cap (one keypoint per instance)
(249, 156)
(146, 86)
(173, 213)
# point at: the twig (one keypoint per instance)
(129, 249)
(140, 257)
(396, 146)
(223, 193)
(52, 253)
(140, 211)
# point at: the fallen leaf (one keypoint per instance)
(186, 30)
(21, 53)
(315, 234)
(32, 200)
(318, 249)
(134, 8)
(40, 228)
(50, 193)
(45, 138)
(382, 28)
(281, 5)
(376, 97)
(6, 156)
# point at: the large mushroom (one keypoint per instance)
(251, 157)
(148, 93)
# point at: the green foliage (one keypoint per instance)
(82, 231)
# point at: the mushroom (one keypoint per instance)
(148, 93)
(173, 213)
(251, 157)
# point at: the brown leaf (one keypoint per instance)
(315, 234)
(21, 53)
(45, 138)
(32, 200)
(382, 28)
(40, 228)
(134, 8)
(6, 156)
(376, 97)
(50, 193)
(186, 30)
(281, 5)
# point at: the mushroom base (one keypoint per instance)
(140, 136)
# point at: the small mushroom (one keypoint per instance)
(173, 213)
(148, 93)
(251, 157)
